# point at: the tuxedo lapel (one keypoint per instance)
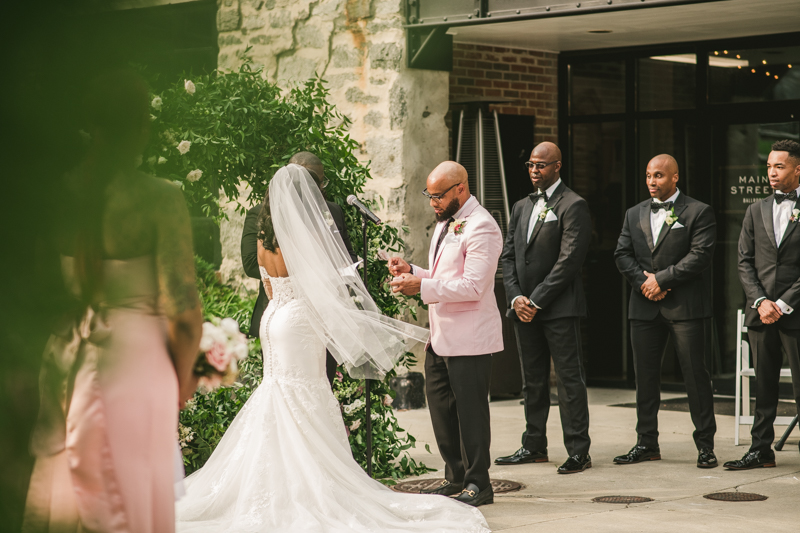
(789, 230)
(679, 207)
(766, 217)
(551, 203)
(644, 222)
(525, 220)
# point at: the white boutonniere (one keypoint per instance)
(457, 227)
(795, 215)
(671, 217)
(543, 214)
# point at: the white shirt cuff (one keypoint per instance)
(755, 304)
(784, 307)
(515, 299)
(534, 304)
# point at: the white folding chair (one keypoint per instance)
(743, 374)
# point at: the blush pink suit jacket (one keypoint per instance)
(459, 286)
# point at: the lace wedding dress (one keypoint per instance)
(285, 465)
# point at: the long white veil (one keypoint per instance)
(342, 312)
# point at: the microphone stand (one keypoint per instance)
(367, 382)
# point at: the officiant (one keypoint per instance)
(249, 245)
(665, 251)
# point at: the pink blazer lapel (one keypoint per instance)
(464, 216)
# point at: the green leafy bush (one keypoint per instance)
(225, 129)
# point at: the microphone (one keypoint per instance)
(352, 200)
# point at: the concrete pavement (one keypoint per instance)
(550, 502)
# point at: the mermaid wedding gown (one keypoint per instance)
(285, 465)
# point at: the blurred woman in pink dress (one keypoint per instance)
(116, 371)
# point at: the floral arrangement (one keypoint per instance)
(543, 214)
(671, 217)
(222, 346)
(795, 215)
(457, 226)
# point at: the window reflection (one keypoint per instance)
(597, 88)
(758, 75)
(667, 82)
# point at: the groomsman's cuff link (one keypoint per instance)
(758, 302)
(784, 307)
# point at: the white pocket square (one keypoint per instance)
(677, 225)
(550, 217)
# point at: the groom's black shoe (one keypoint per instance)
(753, 459)
(522, 456)
(638, 454)
(575, 464)
(445, 489)
(474, 497)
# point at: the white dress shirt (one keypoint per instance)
(658, 218)
(781, 213)
(539, 206)
(537, 210)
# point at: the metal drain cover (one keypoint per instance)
(498, 485)
(735, 497)
(622, 499)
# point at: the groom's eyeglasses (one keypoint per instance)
(538, 166)
(437, 197)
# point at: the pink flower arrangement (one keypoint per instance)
(221, 346)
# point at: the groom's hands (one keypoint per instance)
(405, 283)
(398, 266)
(525, 311)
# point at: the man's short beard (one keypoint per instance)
(449, 211)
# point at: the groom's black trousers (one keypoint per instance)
(649, 339)
(458, 398)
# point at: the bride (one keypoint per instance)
(285, 464)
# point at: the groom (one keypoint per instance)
(465, 325)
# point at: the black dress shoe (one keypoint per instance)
(575, 464)
(521, 457)
(753, 459)
(638, 454)
(706, 458)
(474, 497)
(445, 489)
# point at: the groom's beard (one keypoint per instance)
(449, 211)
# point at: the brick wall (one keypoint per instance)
(529, 78)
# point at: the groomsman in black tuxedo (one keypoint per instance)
(769, 268)
(249, 245)
(665, 251)
(548, 238)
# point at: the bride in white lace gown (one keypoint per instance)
(285, 465)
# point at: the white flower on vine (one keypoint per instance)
(387, 400)
(355, 425)
(185, 435)
(184, 146)
(151, 160)
(156, 103)
(353, 407)
(194, 175)
(162, 160)
(375, 416)
(189, 86)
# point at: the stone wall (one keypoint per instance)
(358, 46)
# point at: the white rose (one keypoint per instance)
(156, 103)
(189, 86)
(207, 340)
(229, 326)
(151, 160)
(355, 425)
(162, 160)
(184, 146)
(387, 400)
(195, 175)
(241, 351)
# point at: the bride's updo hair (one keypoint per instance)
(266, 233)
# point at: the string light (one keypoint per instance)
(716, 53)
(725, 52)
(739, 67)
(776, 76)
(767, 73)
(764, 61)
(790, 66)
(753, 70)
(738, 56)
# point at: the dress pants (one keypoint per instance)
(649, 340)
(537, 342)
(766, 343)
(457, 388)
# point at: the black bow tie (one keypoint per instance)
(534, 196)
(792, 197)
(666, 206)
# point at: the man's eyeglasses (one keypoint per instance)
(437, 196)
(539, 166)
